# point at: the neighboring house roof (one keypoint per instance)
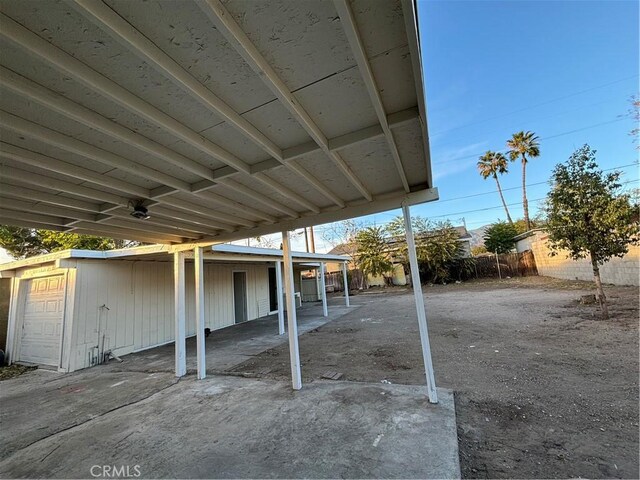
(343, 249)
(528, 233)
(463, 233)
(215, 252)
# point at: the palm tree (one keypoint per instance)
(522, 145)
(490, 165)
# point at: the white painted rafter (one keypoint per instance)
(38, 132)
(17, 222)
(96, 81)
(35, 217)
(26, 193)
(411, 28)
(60, 104)
(150, 227)
(215, 218)
(356, 208)
(353, 36)
(78, 147)
(43, 161)
(227, 26)
(88, 117)
(81, 114)
(168, 217)
(130, 37)
(259, 197)
(121, 233)
(25, 206)
(13, 173)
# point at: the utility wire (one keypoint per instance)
(547, 102)
(480, 209)
(519, 187)
(442, 162)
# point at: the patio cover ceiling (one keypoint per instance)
(226, 119)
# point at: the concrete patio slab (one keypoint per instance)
(228, 347)
(42, 403)
(230, 427)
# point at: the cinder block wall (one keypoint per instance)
(618, 271)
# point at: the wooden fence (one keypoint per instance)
(334, 280)
(510, 265)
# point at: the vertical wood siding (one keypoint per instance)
(131, 303)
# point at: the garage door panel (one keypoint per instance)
(42, 321)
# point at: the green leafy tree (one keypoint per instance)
(524, 145)
(634, 114)
(20, 242)
(439, 251)
(437, 246)
(419, 226)
(27, 242)
(521, 225)
(372, 253)
(478, 250)
(498, 238)
(588, 216)
(490, 165)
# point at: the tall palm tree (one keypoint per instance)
(490, 165)
(522, 145)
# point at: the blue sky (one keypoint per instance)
(555, 68)
(564, 70)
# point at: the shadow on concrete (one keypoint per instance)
(230, 346)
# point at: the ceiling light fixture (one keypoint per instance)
(140, 211)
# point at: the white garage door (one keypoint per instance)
(42, 321)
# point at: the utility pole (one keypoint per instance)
(313, 240)
(306, 239)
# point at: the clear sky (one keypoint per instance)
(564, 70)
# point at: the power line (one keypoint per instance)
(519, 187)
(452, 214)
(442, 162)
(547, 102)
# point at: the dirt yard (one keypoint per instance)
(543, 388)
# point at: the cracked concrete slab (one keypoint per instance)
(42, 403)
(230, 427)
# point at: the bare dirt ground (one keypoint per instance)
(543, 387)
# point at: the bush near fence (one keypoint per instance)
(520, 264)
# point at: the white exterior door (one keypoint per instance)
(42, 321)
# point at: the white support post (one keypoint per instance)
(180, 301)
(345, 279)
(280, 294)
(294, 354)
(198, 259)
(422, 316)
(323, 291)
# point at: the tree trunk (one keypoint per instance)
(502, 198)
(602, 299)
(525, 203)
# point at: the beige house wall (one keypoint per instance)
(618, 271)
